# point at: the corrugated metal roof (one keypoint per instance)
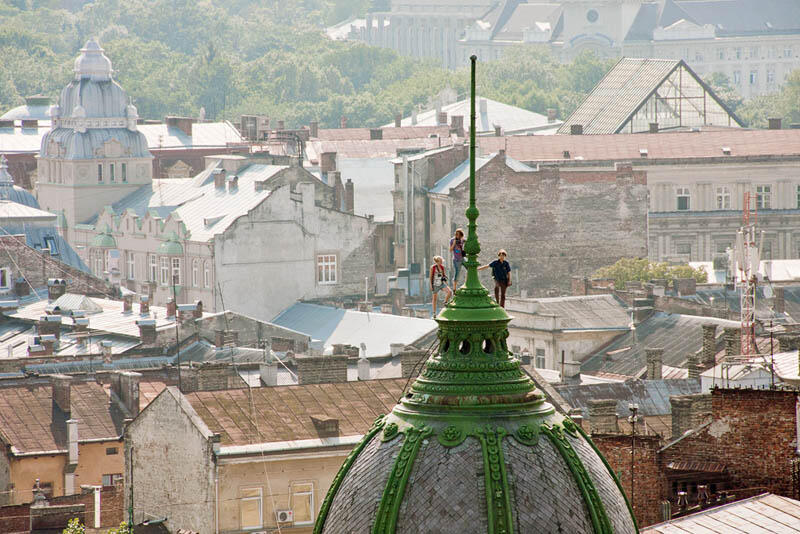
(579, 312)
(11, 212)
(339, 326)
(679, 336)
(618, 95)
(763, 513)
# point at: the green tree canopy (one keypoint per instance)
(643, 270)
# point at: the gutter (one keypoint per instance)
(283, 446)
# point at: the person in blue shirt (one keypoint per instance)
(501, 272)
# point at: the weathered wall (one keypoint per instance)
(556, 223)
(172, 477)
(16, 518)
(251, 332)
(5, 479)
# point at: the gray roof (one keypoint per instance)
(586, 312)
(457, 176)
(27, 112)
(97, 98)
(652, 396)
(84, 145)
(339, 326)
(741, 17)
(678, 335)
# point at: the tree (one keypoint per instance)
(721, 85)
(74, 527)
(643, 270)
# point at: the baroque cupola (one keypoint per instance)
(473, 447)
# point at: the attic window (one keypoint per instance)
(726, 150)
(211, 221)
(643, 152)
(50, 242)
(566, 154)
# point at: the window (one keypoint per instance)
(766, 250)
(326, 269)
(721, 54)
(787, 52)
(797, 189)
(207, 274)
(770, 76)
(50, 243)
(110, 480)
(250, 508)
(444, 215)
(723, 198)
(153, 268)
(698, 55)
(753, 77)
(763, 197)
(130, 265)
(400, 231)
(176, 271)
(99, 172)
(124, 172)
(723, 246)
(737, 77)
(194, 273)
(112, 175)
(738, 53)
(164, 270)
(5, 278)
(540, 361)
(111, 450)
(683, 248)
(753, 51)
(682, 194)
(302, 503)
(433, 212)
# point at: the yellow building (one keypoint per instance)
(247, 460)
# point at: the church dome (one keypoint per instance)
(92, 63)
(473, 447)
(93, 93)
(14, 193)
(36, 107)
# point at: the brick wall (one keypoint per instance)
(321, 369)
(565, 223)
(649, 481)
(37, 267)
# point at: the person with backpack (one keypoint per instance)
(438, 280)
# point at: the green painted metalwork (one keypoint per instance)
(498, 500)
(104, 239)
(597, 511)
(386, 518)
(377, 426)
(172, 246)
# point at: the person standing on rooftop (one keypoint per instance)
(501, 272)
(457, 248)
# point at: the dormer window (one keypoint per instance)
(5, 278)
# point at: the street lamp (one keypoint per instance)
(634, 409)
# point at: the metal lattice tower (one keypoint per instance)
(748, 259)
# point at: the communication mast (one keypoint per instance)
(748, 258)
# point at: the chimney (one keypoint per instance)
(327, 162)
(80, 324)
(61, 393)
(313, 130)
(398, 120)
(144, 305)
(688, 412)
(49, 325)
(127, 303)
(210, 376)
(281, 125)
(125, 385)
(685, 286)
(219, 338)
(107, 350)
(184, 123)
(457, 124)
(72, 441)
(349, 196)
(219, 178)
(363, 368)
(774, 123)
(172, 308)
(21, 287)
(653, 127)
(655, 357)
(30, 123)
(147, 330)
(642, 309)
(603, 416)
(398, 298)
(693, 366)
(343, 123)
(269, 373)
(709, 352)
(779, 304)
(411, 362)
(55, 288)
(441, 118)
(375, 134)
(576, 129)
(733, 341)
(483, 106)
(326, 428)
(498, 130)
(321, 369)
(197, 313)
(552, 114)
(233, 183)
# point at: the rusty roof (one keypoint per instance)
(704, 144)
(284, 413)
(703, 467)
(28, 424)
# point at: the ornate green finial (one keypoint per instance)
(472, 365)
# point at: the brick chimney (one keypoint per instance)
(49, 343)
(61, 385)
(321, 369)
(172, 308)
(219, 178)
(343, 122)
(375, 134)
(552, 115)
(313, 129)
(326, 427)
(411, 358)
(655, 357)
(498, 130)
(127, 303)
(55, 288)
(147, 330)
(774, 123)
(80, 324)
(210, 376)
(49, 325)
(688, 412)
(603, 416)
(183, 123)
(576, 129)
(733, 341)
(327, 162)
(398, 120)
(779, 303)
(693, 366)
(349, 196)
(125, 387)
(685, 286)
(21, 287)
(457, 124)
(144, 305)
(709, 353)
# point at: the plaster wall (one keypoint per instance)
(576, 345)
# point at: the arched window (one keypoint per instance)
(194, 273)
(207, 274)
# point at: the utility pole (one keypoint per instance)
(634, 408)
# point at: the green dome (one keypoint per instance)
(473, 447)
(172, 246)
(104, 239)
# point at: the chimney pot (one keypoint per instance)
(498, 130)
(398, 120)
(552, 114)
(343, 122)
(313, 130)
(653, 127)
(55, 288)
(775, 123)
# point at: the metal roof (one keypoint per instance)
(740, 17)
(11, 211)
(679, 336)
(339, 326)
(204, 134)
(762, 513)
(458, 175)
(579, 312)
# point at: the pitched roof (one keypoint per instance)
(27, 422)
(387, 132)
(284, 413)
(338, 326)
(580, 312)
(743, 17)
(679, 336)
(379, 148)
(705, 144)
(763, 513)
(204, 134)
